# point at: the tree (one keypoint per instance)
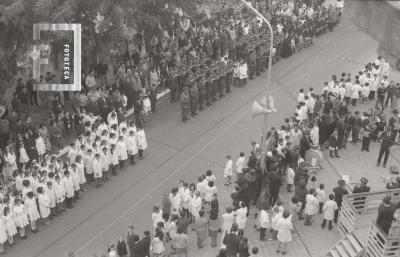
(105, 24)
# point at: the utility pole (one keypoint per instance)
(266, 100)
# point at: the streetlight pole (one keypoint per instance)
(268, 93)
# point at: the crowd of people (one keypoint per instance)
(107, 141)
(37, 186)
(324, 120)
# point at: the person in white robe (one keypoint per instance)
(141, 142)
(49, 190)
(122, 152)
(98, 170)
(9, 224)
(60, 194)
(32, 210)
(68, 184)
(20, 217)
(44, 205)
(329, 209)
(241, 218)
(131, 145)
(311, 207)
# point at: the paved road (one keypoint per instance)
(183, 151)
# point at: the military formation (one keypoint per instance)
(200, 84)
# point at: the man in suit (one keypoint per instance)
(387, 138)
(232, 241)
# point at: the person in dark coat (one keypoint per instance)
(232, 242)
(388, 138)
(339, 192)
(385, 214)
(301, 173)
(130, 239)
(359, 202)
(300, 193)
(324, 126)
(274, 186)
(305, 143)
(341, 129)
(143, 246)
(334, 145)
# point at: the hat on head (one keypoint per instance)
(395, 111)
(363, 180)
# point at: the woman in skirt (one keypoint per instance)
(9, 224)
(20, 217)
(31, 210)
(141, 141)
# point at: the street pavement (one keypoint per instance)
(184, 151)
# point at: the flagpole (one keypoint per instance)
(267, 92)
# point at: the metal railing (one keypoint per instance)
(356, 205)
(379, 244)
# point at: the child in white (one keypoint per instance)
(329, 211)
(311, 207)
(228, 170)
(290, 179)
(265, 223)
(276, 216)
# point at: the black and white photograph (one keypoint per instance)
(199, 128)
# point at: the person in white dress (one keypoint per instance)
(131, 145)
(9, 225)
(68, 184)
(10, 164)
(60, 194)
(20, 217)
(329, 209)
(44, 205)
(311, 207)
(97, 170)
(40, 146)
(51, 193)
(32, 210)
(284, 226)
(23, 156)
(88, 164)
(122, 152)
(195, 205)
(241, 218)
(80, 168)
(141, 141)
(3, 235)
